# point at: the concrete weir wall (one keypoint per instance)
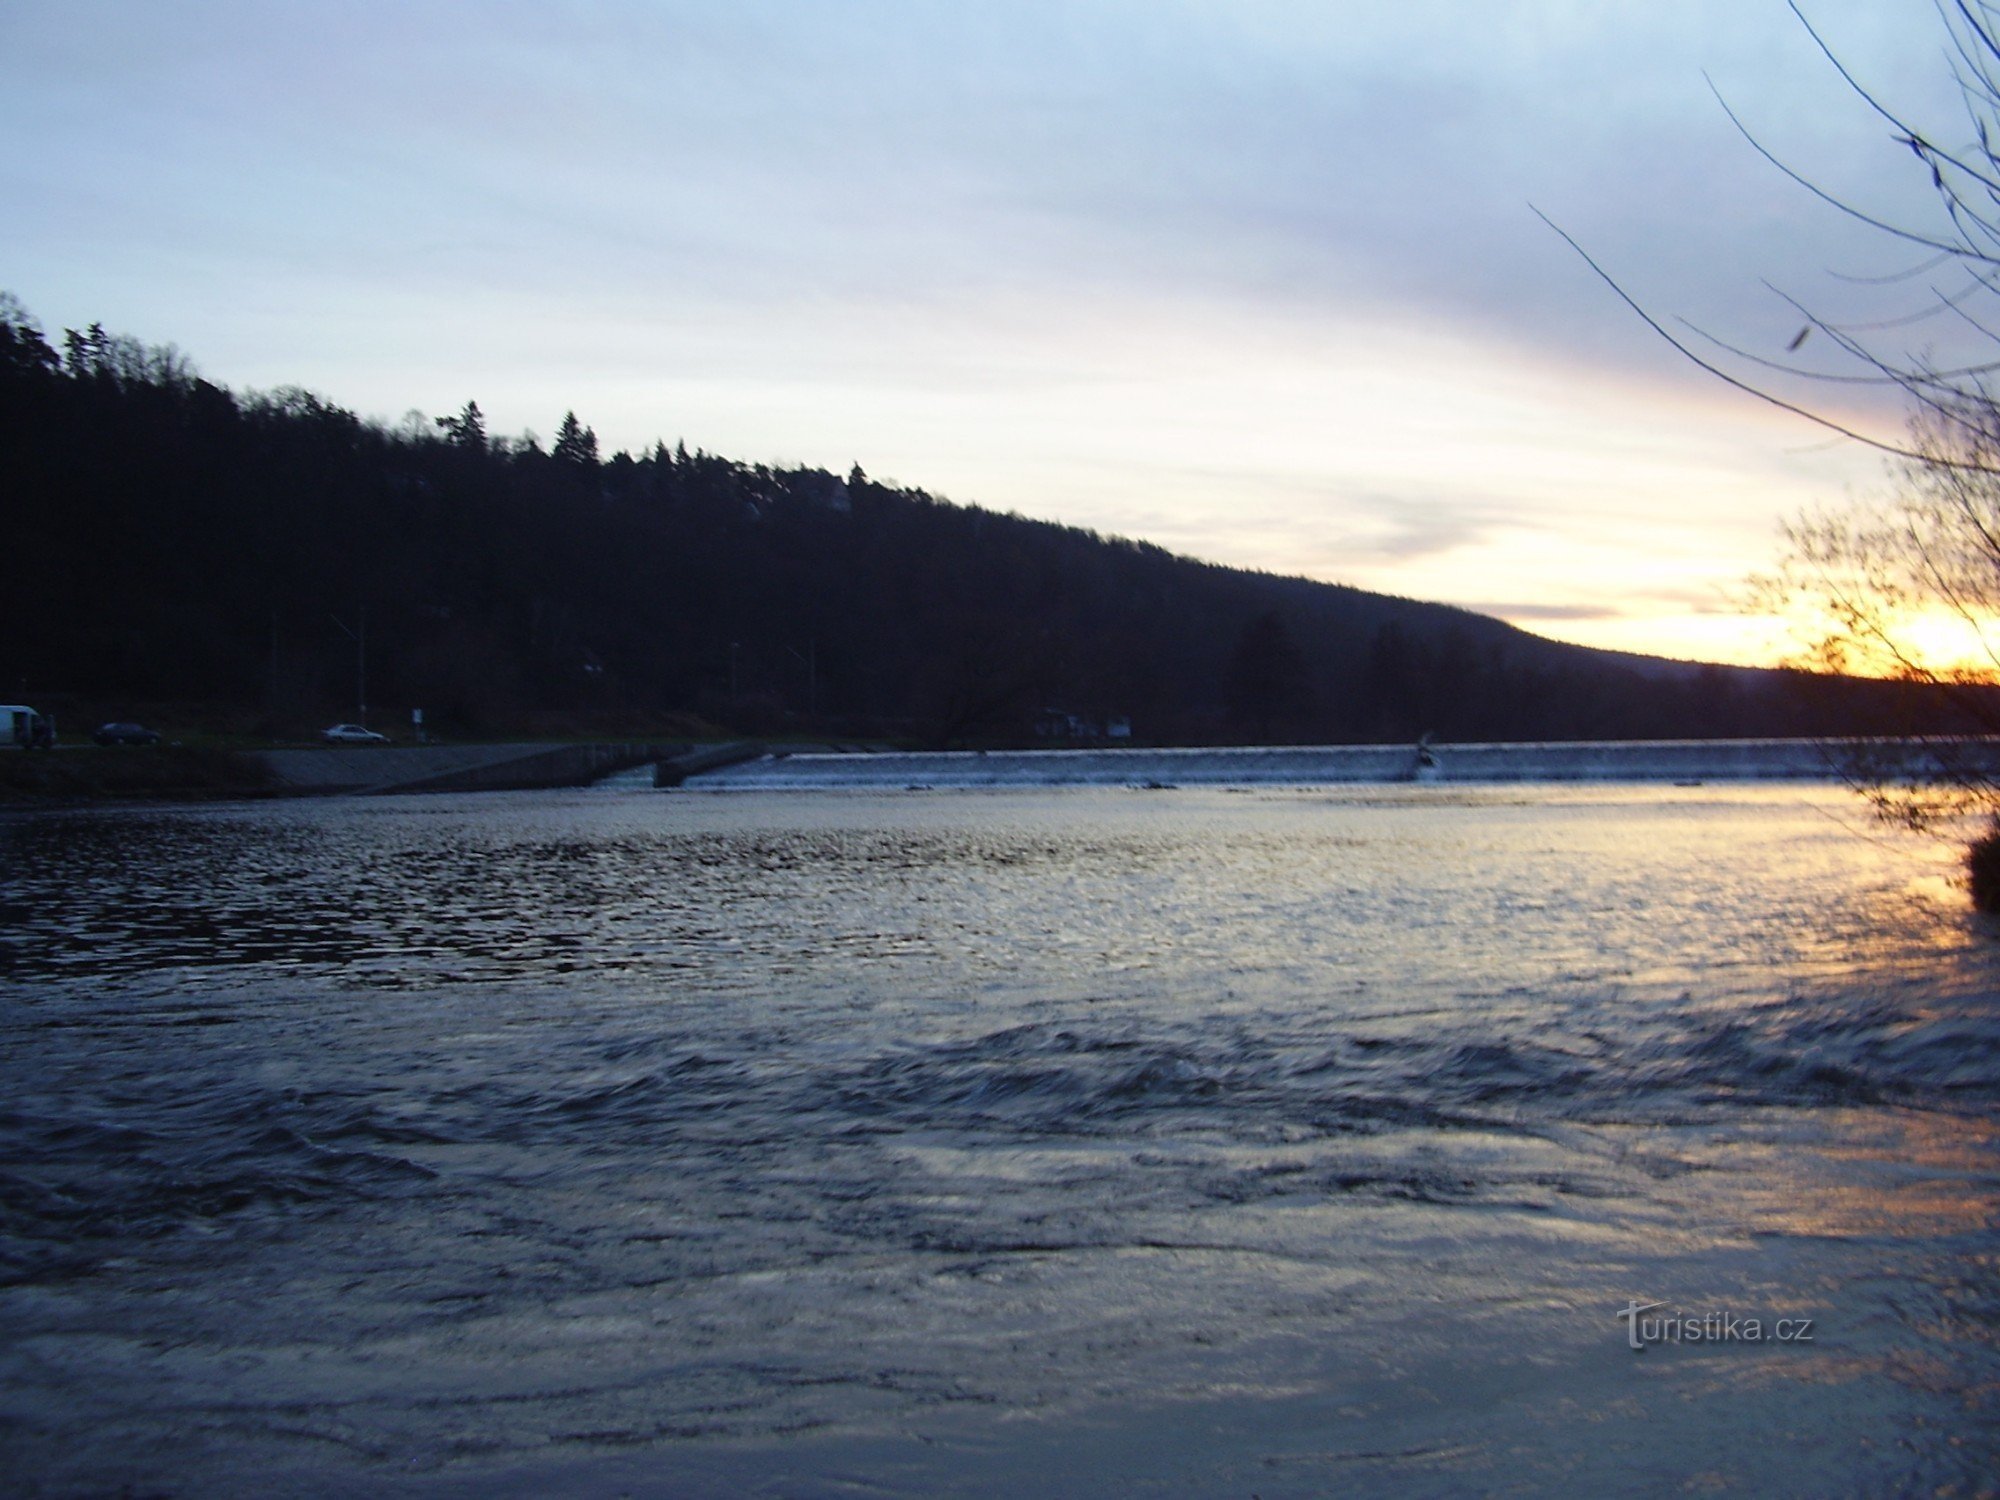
(1606, 760)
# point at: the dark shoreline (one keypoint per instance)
(177, 773)
(86, 775)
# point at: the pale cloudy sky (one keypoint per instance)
(1256, 280)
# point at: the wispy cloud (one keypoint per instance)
(1397, 528)
(1518, 611)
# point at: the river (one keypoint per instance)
(1271, 1141)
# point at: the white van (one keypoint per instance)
(21, 728)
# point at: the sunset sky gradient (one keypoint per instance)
(1257, 281)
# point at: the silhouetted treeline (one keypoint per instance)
(168, 539)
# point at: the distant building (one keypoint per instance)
(1082, 728)
(22, 727)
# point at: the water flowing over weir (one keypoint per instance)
(1306, 765)
(1061, 1141)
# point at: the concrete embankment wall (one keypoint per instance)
(453, 768)
(1609, 760)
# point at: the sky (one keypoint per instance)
(1262, 281)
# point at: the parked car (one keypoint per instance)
(352, 734)
(125, 734)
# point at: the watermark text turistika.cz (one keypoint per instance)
(1646, 1324)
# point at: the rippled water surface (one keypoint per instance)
(1087, 1141)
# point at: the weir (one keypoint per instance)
(1591, 760)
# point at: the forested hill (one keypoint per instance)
(168, 540)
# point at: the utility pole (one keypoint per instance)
(810, 661)
(359, 636)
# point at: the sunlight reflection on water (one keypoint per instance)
(562, 1135)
